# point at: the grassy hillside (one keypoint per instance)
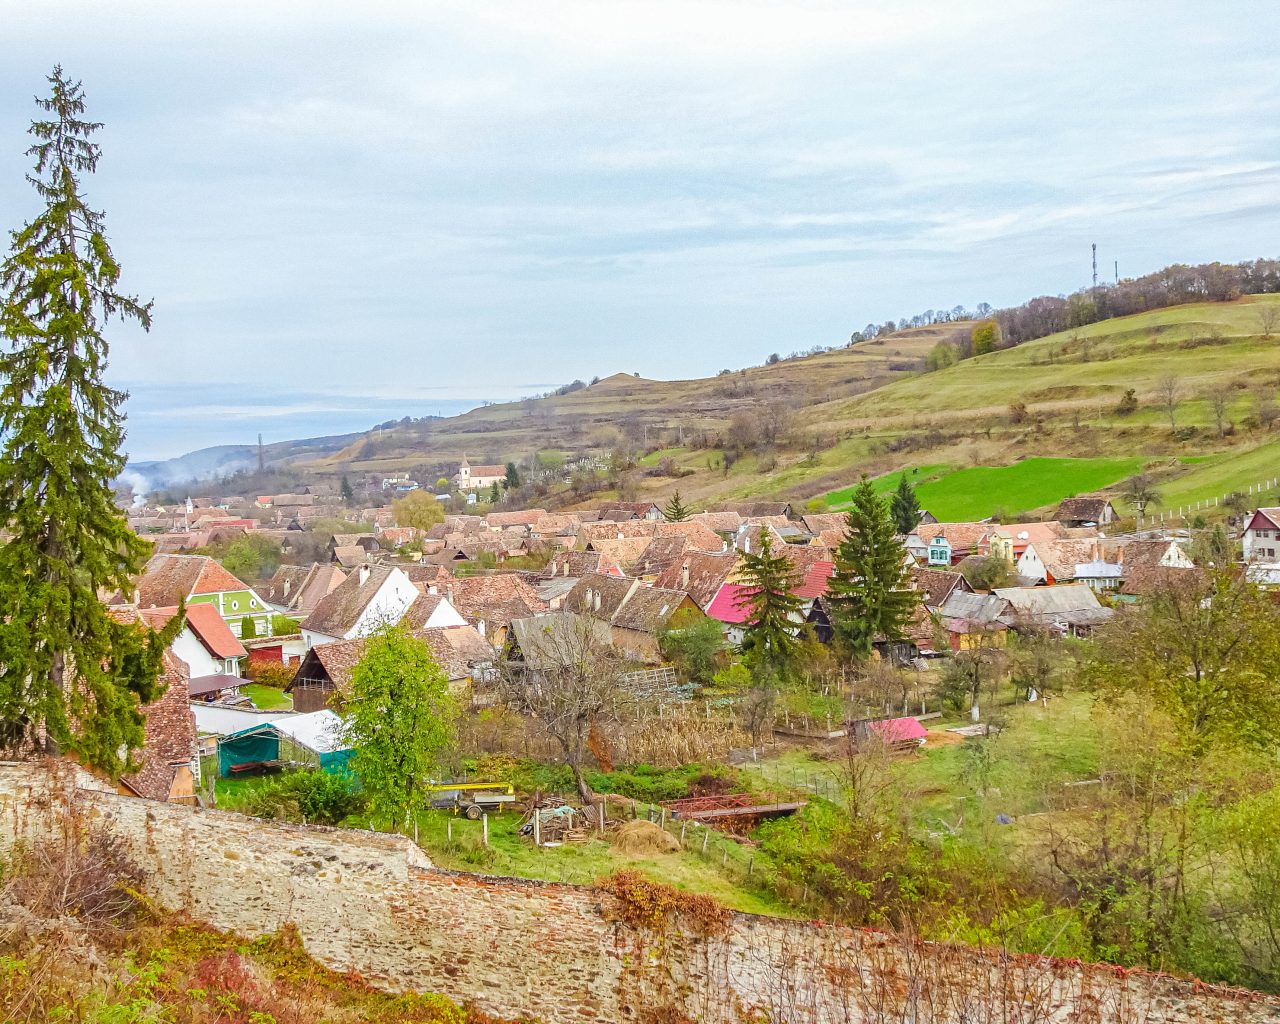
(980, 430)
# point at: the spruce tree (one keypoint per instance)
(769, 641)
(347, 494)
(73, 676)
(869, 593)
(904, 508)
(512, 478)
(676, 511)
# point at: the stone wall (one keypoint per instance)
(374, 904)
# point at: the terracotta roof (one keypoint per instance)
(495, 600)
(625, 603)
(935, 585)
(526, 517)
(322, 581)
(698, 535)
(1136, 553)
(1149, 578)
(1083, 509)
(349, 556)
(548, 525)
(424, 576)
(658, 554)
(170, 728)
(621, 552)
(645, 528)
(706, 574)
(818, 522)
(720, 522)
(213, 631)
(639, 508)
(815, 581)
(1074, 603)
(340, 609)
(338, 660)
(168, 579)
(398, 536)
(572, 563)
(961, 536)
(1060, 557)
(282, 589)
(754, 509)
(458, 649)
(421, 610)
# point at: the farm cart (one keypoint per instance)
(473, 799)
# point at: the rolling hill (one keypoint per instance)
(871, 408)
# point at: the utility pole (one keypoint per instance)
(262, 460)
(1117, 271)
(1095, 265)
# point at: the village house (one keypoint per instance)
(198, 579)
(1054, 561)
(624, 510)
(947, 544)
(700, 574)
(297, 589)
(1086, 512)
(1071, 608)
(371, 597)
(1261, 538)
(205, 645)
(490, 603)
(636, 613)
(324, 675)
(539, 641)
(169, 759)
(475, 478)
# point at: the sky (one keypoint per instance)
(403, 204)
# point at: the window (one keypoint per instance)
(253, 603)
(235, 606)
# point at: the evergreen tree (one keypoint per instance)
(868, 593)
(73, 676)
(495, 493)
(348, 495)
(676, 510)
(769, 641)
(513, 476)
(904, 508)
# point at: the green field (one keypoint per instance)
(974, 493)
(1217, 475)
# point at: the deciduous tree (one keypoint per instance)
(399, 718)
(417, 509)
(1203, 648)
(72, 674)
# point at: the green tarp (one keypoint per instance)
(241, 749)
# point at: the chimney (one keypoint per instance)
(481, 626)
(364, 575)
(684, 575)
(449, 593)
(620, 535)
(433, 589)
(597, 602)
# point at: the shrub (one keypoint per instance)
(1128, 404)
(652, 905)
(268, 673)
(83, 871)
(312, 796)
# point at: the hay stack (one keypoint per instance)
(644, 839)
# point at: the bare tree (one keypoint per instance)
(1168, 392)
(1140, 491)
(1268, 317)
(568, 676)
(1219, 402)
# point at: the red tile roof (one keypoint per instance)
(815, 581)
(732, 604)
(214, 632)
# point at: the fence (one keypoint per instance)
(1187, 510)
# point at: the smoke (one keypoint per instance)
(138, 483)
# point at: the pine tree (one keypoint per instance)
(347, 494)
(904, 508)
(73, 676)
(513, 477)
(676, 510)
(868, 594)
(769, 641)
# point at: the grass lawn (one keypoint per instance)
(887, 483)
(979, 491)
(268, 698)
(720, 874)
(1218, 475)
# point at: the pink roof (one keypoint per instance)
(814, 584)
(1270, 520)
(732, 604)
(899, 730)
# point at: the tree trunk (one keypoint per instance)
(585, 792)
(975, 715)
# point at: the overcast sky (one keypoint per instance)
(479, 200)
